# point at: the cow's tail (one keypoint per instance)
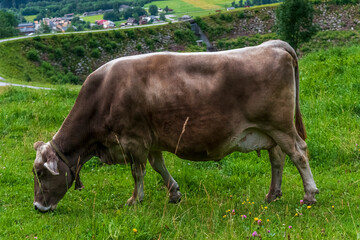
(300, 127)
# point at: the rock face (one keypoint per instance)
(262, 21)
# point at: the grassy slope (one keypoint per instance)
(330, 87)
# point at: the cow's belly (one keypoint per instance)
(246, 141)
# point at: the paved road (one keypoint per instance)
(3, 84)
(111, 29)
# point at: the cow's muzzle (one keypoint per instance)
(42, 208)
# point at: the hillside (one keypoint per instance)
(70, 58)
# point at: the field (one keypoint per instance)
(193, 7)
(30, 18)
(216, 195)
(93, 19)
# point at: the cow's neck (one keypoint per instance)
(73, 138)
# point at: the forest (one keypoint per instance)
(53, 8)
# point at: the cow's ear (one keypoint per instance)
(38, 144)
(52, 167)
(51, 162)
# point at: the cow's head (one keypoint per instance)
(52, 177)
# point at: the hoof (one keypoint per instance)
(132, 201)
(272, 197)
(175, 197)
(310, 197)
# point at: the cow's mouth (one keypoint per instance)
(42, 208)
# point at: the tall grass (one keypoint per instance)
(330, 103)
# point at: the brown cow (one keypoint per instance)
(200, 106)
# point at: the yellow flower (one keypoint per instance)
(265, 207)
(333, 206)
(268, 220)
(296, 214)
(134, 230)
(256, 219)
(308, 207)
(228, 210)
(224, 216)
(252, 203)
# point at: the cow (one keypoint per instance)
(200, 106)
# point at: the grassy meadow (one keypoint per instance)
(216, 195)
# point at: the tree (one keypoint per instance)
(162, 17)
(294, 22)
(153, 10)
(166, 9)
(8, 25)
(44, 28)
(112, 16)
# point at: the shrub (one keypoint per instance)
(79, 51)
(131, 34)
(93, 43)
(33, 55)
(58, 53)
(95, 53)
(138, 47)
(184, 36)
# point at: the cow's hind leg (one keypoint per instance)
(277, 159)
(138, 170)
(296, 148)
(157, 162)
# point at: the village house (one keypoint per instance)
(131, 22)
(123, 7)
(86, 14)
(58, 24)
(185, 18)
(105, 23)
(26, 28)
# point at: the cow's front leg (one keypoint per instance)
(277, 160)
(157, 162)
(138, 172)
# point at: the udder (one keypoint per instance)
(253, 140)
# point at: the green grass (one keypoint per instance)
(329, 96)
(30, 18)
(93, 19)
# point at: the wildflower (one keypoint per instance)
(301, 202)
(230, 196)
(227, 211)
(233, 212)
(255, 234)
(134, 230)
(265, 207)
(308, 207)
(252, 203)
(249, 213)
(224, 216)
(243, 216)
(35, 237)
(333, 206)
(243, 202)
(256, 219)
(268, 231)
(296, 214)
(290, 227)
(268, 220)
(259, 222)
(300, 214)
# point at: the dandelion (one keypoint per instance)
(252, 203)
(243, 202)
(296, 214)
(301, 202)
(255, 234)
(256, 219)
(227, 211)
(290, 227)
(224, 216)
(135, 230)
(308, 207)
(333, 206)
(268, 220)
(230, 196)
(265, 208)
(243, 216)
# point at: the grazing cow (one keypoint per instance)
(200, 106)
